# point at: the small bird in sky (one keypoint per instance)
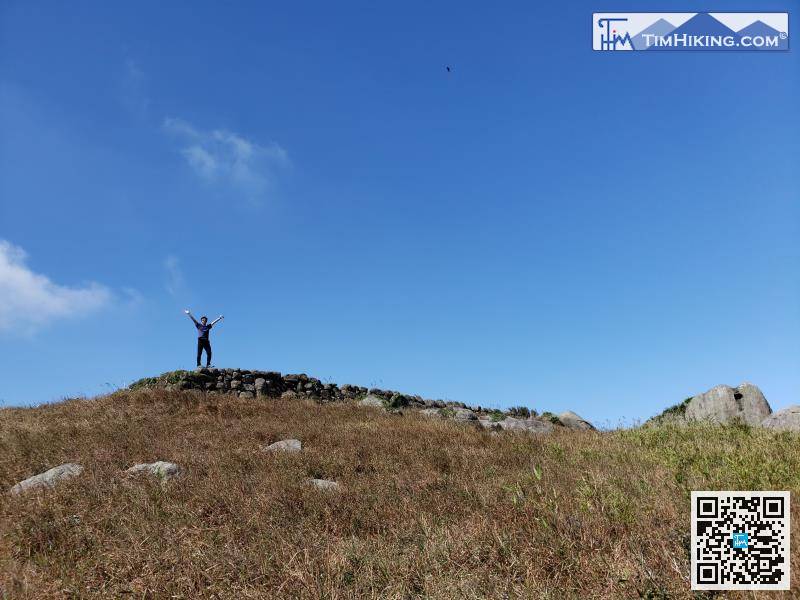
(449, 68)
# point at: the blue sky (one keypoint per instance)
(546, 225)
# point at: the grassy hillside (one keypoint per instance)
(427, 507)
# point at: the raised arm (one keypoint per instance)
(217, 320)
(191, 316)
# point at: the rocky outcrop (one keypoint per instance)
(720, 405)
(48, 479)
(787, 419)
(247, 383)
(161, 469)
(284, 446)
(574, 421)
(724, 404)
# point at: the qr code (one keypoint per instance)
(740, 540)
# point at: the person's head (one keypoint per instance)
(204, 320)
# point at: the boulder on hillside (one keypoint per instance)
(532, 425)
(464, 414)
(162, 469)
(283, 446)
(724, 404)
(787, 419)
(47, 479)
(572, 420)
(324, 484)
(399, 401)
(373, 401)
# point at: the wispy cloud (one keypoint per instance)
(31, 300)
(133, 89)
(132, 297)
(174, 276)
(226, 157)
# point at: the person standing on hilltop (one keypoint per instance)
(203, 343)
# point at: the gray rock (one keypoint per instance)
(47, 479)
(752, 396)
(246, 395)
(723, 404)
(162, 469)
(532, 425)
(325, 484)
(786, 419)
(372, 400)
(249, 387)
(236, 384)
(431, 412)
(288, 394)
(399, 400)
(283, 446)
(464, 414)
(573, 421)
(260, 385)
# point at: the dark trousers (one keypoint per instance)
(203, 344)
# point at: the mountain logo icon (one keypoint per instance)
(702, 31)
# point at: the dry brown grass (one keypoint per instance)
(427, 509)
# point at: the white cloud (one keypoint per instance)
(175, 282)
(226, 157)
(30, 300)
(201, 161)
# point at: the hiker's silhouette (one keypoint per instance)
(203, 341)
